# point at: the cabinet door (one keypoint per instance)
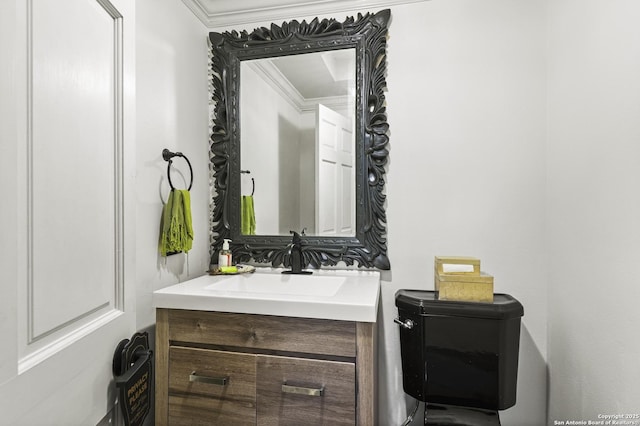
(211, 387)
(295, 391)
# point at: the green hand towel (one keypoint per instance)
(248, 216)
(177, 229)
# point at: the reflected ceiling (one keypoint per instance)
(318, 76)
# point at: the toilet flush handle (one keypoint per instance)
(408, 324)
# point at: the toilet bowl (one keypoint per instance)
(460, 358)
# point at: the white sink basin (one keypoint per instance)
(327, 294)
(280, 284)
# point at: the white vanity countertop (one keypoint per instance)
(347, 295)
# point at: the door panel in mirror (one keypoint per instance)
(335, 184)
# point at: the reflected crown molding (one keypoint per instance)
(278, 82)
(223, 13)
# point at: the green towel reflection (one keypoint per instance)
(177, 229)
(248, 216)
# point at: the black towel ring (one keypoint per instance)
(168, 155)
(253, 181)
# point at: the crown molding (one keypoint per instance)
(277, 10)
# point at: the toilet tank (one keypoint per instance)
(459, 353)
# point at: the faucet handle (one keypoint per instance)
(299, 234)
(296, 237)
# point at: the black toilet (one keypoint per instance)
(460, 358)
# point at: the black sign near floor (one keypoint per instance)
(133, 375)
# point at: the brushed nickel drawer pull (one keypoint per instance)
(220, 381)
(302, 391)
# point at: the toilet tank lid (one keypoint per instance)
(424, 302)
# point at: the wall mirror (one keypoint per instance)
(299, 140)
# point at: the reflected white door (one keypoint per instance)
(335, 174)
(67, 295)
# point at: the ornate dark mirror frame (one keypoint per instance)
(368, 35)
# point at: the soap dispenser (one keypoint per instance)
(224, 257)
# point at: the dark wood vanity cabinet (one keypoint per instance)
(245, 369)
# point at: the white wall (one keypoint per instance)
(172, 112)
(466, 106)
(272, 127)
(470, 173)
(260, 126)
(593, 208)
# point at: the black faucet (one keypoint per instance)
(295, 255)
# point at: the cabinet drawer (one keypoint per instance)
(314, 393)
(211, 387)
(303, 335)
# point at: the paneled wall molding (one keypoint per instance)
(224, 13)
